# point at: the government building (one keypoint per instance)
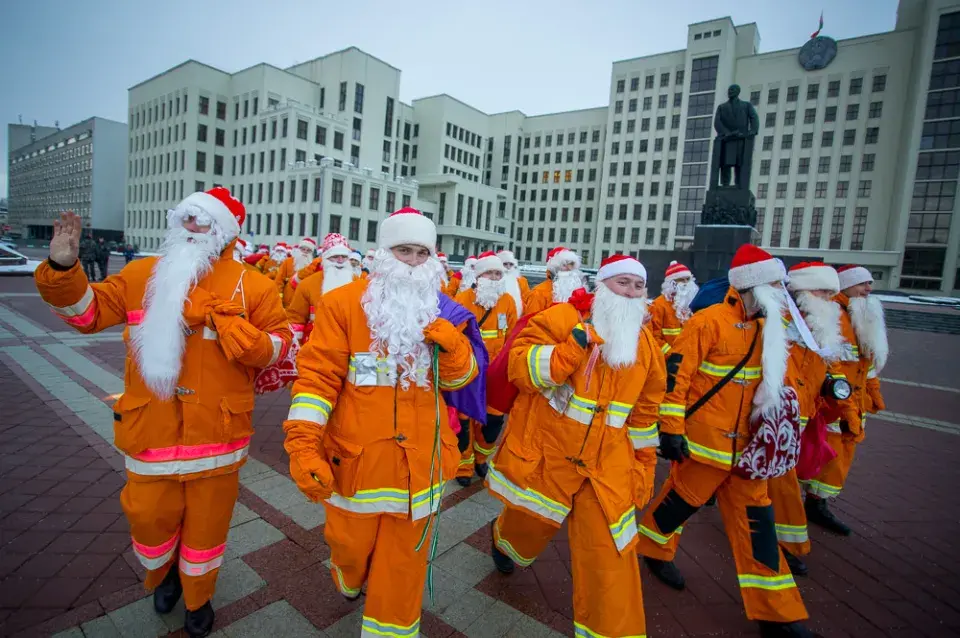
(856, 160)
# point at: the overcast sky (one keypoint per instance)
(66, 60)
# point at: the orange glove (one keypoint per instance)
(197, 307)
(444, 334)
(236, 335)
(308, 467)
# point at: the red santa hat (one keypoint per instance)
(241, 243)
(507, 257)
(335, 245)
(408, 226)
(226, 211)
(470, 262)
(852, 275)
(308, 242)
(264, 248)
(559, 256)
(620, 265)
(813, 275)
(676, 270)
(487, 262)
(371, 253)
(753, 266)
(442, 257)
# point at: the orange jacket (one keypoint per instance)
(664, 323)
(539, 298)
(287, 279)
(303, 307)
(573, 423)
(377, 438)
(267, 266)
(205, 430)
(711, 344)
(859, 371)
(499, 321)
(806, 372)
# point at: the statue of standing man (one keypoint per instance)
(736, 124)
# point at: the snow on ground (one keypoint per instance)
(917, 300)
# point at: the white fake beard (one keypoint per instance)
(238, 254)
(367, 263)
(511, 285)
(618, 321)
(866, 314)
(564, 283)
(335, 275)
(158, 344)
(488, 292)
(400, 302)
(278, 255)
(301, 260)
(773, 303)
(469, 278)
(357, 270)
(822, 316)
(680, 296)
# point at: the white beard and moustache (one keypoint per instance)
(278, 255)
(773, 304)
(400, 302)
(866, 315)
(564, 283)
(488, 292)
(367, 263)
(618, 321)
(469, 278)
(822, 316)
(357, 270)
(511, 285)
(301, 260)
(335, 275)
(159, 342)
(680, 295)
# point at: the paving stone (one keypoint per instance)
(497, 621)
(242, 514)
(346, 627)
(469, 607)
(528, 627)
(278, 620)
(138, 620)
(447, 589)
(103, 627)
(249, 537)
(73, 632)
(235, 581)
(307, 515)
(469, 564)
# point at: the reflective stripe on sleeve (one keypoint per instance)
(456, 384)
(279, 348)
(82, 313)
(538, 365)
(310, 407)
(625, 529)
(644, 437)
(672, 409)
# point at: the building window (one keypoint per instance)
(201, 162)
(777, 227)
(773, 96)
(784, 168)
(806, 141)
(816, 227)
(767, 142)
(204, 105)
(813, 91)
(849, 137)
(334, 224)
(354, 232)
(755, 98)
(821, 190)
(876, 108)
(789, 118)
(221, 110)
(771, 120)
(873, 134)
(374, 203)
(302, 126)
(933, 196)
(786, 142)
(358, 99)
(856, 86)
(764, 167)
(880, 83)
(836, 227)
(801, 190)
(846, 162)
(830, 114)
(842, 188)
(336, 196)
(833, 88)
(781, 190)
(356, 195)
(922, 268)
(866, 187)
(809, 116)
(703, 74)
(853, 111)
(824, 165)
(793, 93)
(859, 228)
(761, 190)
(201, 132)
(338, 140)
(796, 226)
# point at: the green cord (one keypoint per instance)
(435, 461)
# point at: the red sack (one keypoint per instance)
(253, 259)
(501, 393)
(815, 452)
(774, 448)
(453, 420)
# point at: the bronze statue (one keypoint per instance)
(736, 124)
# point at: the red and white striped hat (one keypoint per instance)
(852, 275)
(334, 245)
(620, 265)
(676, 270)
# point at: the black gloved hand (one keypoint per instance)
(580, 336)
(844, 426)
(463, 436)
(673, 447)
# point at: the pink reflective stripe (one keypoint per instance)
(156, 551)
(201, 555)
(296, 327)
(313, 309)
(189, 452)
(78, 308)
(134, 317)
(84, 319)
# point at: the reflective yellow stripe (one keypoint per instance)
(504, 546)
(658, 538)
(582, 631)
(309, 407)
(625, 529)
(426, 502)
(792, 533)
(538, 365)
(456, 384)
(525, 498)
(665, 348)
(872, 372)
(716, 370)
(772, 583)
(372, 627)
(672, 409)
(489, 334)
(821, 489)
(468, 461)
(485, 451)
(376, 501)
(709, 453)
(671, 331)
(644, 437)
(341, 584)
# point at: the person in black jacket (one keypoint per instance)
(88, 257)
(103, 257)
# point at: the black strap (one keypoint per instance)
(484, 317)
(725, 380)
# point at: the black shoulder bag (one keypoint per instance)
(709, 394)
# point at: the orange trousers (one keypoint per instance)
(766, 584)
(829, 483)
(479, 449)
(379, 550)
(607, 598)
(788, 513)
(188, 520)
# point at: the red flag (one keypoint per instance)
(819, 28)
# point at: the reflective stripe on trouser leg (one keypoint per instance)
(829, 483)
(522, 536)
(206, 522)
(396, 579)
(485, 437)
(607, 598)
(154, 511)
(766, 584)
(351, 539)
(468, 458)
(789, 515)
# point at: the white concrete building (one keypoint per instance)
(856, 161)
(79, 168)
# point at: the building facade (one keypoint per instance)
(856, 160)
(79, 168)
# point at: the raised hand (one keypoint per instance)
(65, 245)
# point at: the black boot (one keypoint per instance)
(198, 623)
(667, 572)
(481, 469)
(795, 563)
(818, 512)
(501, 561)
(464, 481)
(797, 629)
(167, 593)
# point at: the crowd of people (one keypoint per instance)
(405, 375)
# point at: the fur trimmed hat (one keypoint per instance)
(813, 275)
(225, 210)
(852, 275)
(507, 257)
(752, 266)
(559, 256)
(408, 226)
(487, 262)
(335, 245)
(621, 265)
(676, 270)
(308, 242)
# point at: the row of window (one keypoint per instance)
(649, 79)
(548, 139)
(52, 178)
(871, 136)
(467, 137)
(875, 110)
(815, 238)
(47, 160)
(864, 189)
(855, 87)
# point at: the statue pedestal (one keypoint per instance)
(729, 205)
(715, 245)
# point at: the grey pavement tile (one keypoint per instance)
(73, 632)
(106, 381)
(249, 537)
(21, 324)
(528, 627)
(101, 627)
(470, 607)
(498, 620)
(346, 627)
(236, 580)
(307, 515)
(447, 589)
(468, 563)
(242, 514)
(278, 620)
(252, 470)
(486, 499)
(139, 620)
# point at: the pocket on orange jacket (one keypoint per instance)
(128, 429)
(346, 463)
(236, 417)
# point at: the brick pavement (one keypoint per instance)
(64, 567)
